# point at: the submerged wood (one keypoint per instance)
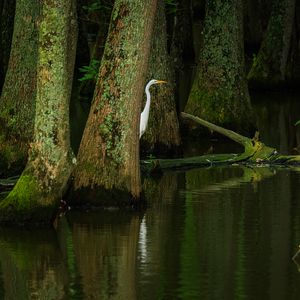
(255, 152)
(8, 182)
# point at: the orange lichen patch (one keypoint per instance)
(44, 74)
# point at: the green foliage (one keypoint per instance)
(23, 194)
(98, 5)
(90, 71)
(254, 60)
(27, 203)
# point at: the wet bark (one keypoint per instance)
(35, 196)
(19, 90)
(270, 65)
(219, 92)
(108, 170)
(162, 134)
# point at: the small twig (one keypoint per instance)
(295, 260)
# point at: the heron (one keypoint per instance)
(145, 112)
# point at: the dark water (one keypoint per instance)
(213, 233)
(217, 233)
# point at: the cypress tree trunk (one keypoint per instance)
(19, 90)
(269, 66)
(162, 134)
(108, 158)
(7, 11)
(219, 93)
(41, 185)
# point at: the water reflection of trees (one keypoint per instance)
(104, 245)
(158, 266)
(230, 235)
(31, 266)
(93, 256)
(276, 122)
(208, 233)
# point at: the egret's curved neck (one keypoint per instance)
(147, 105)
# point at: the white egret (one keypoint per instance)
(145, 112)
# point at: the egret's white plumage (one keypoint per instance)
(145, 113)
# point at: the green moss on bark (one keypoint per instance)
(108, 157)
(19, 89)
(26, 203)
(219, 93)
(36, 194)
(12, 158)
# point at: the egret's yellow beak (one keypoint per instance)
(161, 81)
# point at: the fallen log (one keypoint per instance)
(255, 152)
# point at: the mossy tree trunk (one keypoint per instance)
(162, 134)
(36, 194)
(219, 92)
(269, 66)
(108, 159)
(19, 89)
(7, 12)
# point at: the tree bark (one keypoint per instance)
(19, 90)
(35, 197)
(7, 11)
(219, 92)
(162, 134)
(269, 66)
(108, 158)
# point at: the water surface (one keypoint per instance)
(210, 233)
(217, 233)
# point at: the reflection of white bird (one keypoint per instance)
(145, 112)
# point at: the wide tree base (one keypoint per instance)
(27, 205)
(13, 157)
(93, 197)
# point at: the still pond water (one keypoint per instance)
(210, 233)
